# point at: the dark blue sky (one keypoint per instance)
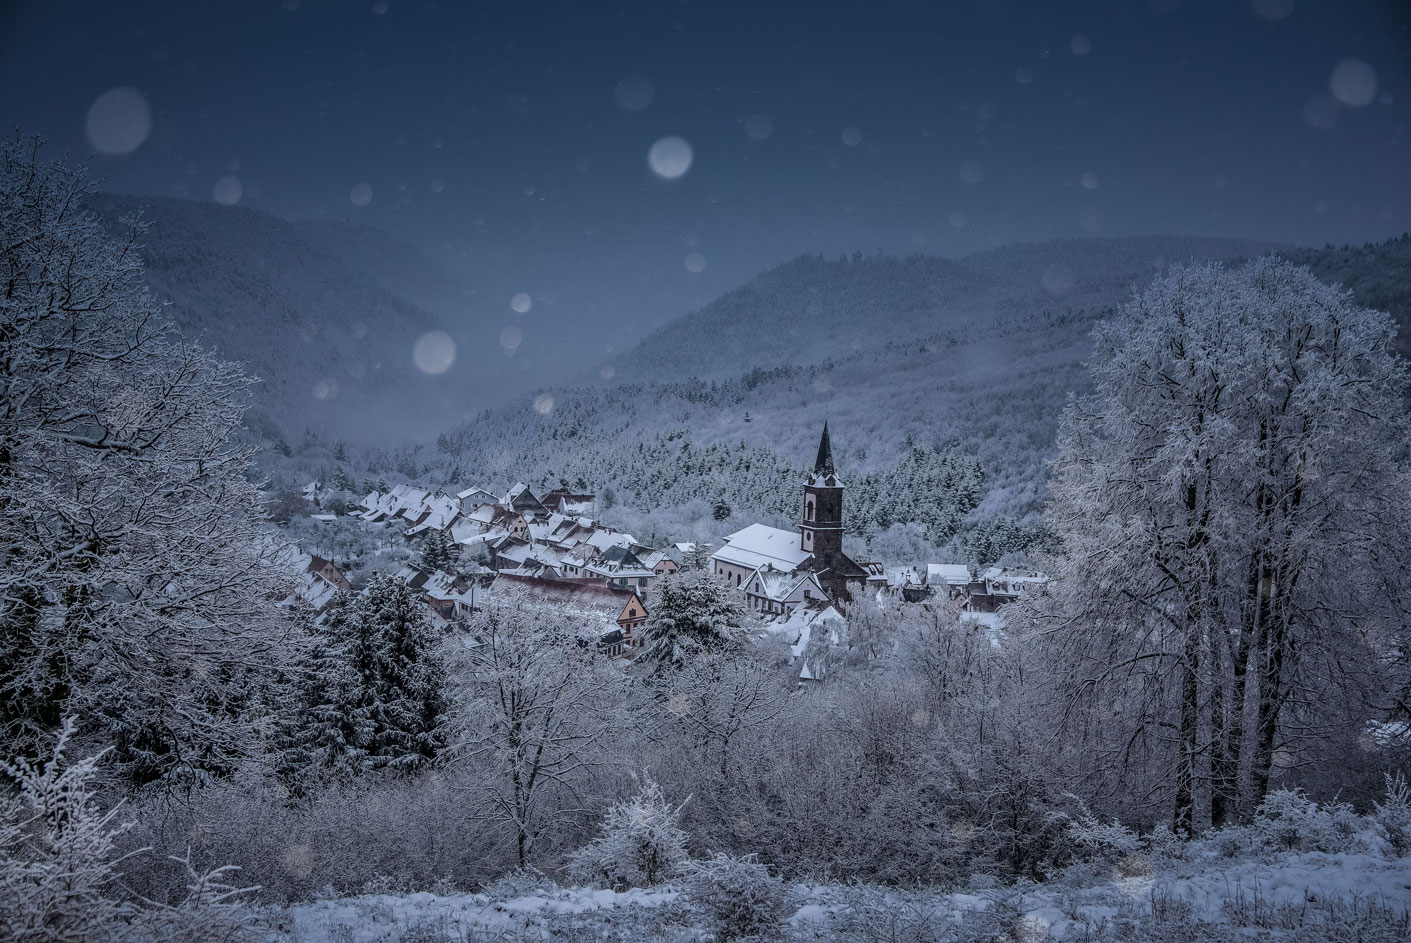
(492, 137)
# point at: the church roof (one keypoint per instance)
(824, 475)
(759, 544)
(823, 465)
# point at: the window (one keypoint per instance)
(808, 510)
(807, 594)
(737, 579)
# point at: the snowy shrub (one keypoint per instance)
(521, 882)
(1102, 840)
(640, 842)
(738, 897)
(1394, 814)
(1289, 820)
(58, 867)
(413, 831)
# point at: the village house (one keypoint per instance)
(563, 501)
(611, 618)
(520, 498)
(998, 586)
(773, 592)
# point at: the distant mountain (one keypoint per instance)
(972, 359)
(397, 266)
(1379, 274)
(319, 311)
(813, 309)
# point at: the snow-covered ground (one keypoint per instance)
(1307, 896)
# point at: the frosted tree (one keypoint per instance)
(535, 706)
(639, 843)
(438, 552)
(714, 706)
(691, 613)
(1231, 498)
(60, 874)
(373, 688)
(137, 589)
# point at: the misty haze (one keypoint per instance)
(885, 473)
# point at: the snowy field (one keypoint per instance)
(1309, 896)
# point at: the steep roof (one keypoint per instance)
(759, 544)
(823, 464)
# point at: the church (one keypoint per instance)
(778, 570)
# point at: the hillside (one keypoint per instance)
(315, 310)
(397, 266)
(812, 309)
(675, 449)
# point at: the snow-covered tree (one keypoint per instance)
(373, 688)
(1232, 503)
(137, 588)
(535, 706)
(60, 866)
(691, 613)
(639, 842)
(438, 551)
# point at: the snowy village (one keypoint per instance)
(550, 552)
(705, 472)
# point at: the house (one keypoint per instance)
(472, 498)
(511, 522)
(1000, 585)
(520, 498)
(438, 512)
(816, 547)
(563, 501)
(776, 593)
(326, 570)
(313, 580)
(954, 577)
(816, 622)
(620, 568)
(611, 617)
(449, 597)
(658, 561)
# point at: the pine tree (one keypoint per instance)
(438, 552)
(691, 613)
(373, 689)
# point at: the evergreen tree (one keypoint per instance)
(373, 689)
(691, 613)
(438, 552)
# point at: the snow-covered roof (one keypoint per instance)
(952, 574)
(759, 544)
(604, 538)
(777, 586)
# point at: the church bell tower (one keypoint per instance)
(821, 529)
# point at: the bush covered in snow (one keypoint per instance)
(1287, 820)
(639, 843)
(59, 878)
(738, 897)
(1394, 814)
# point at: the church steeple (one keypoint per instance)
(823, 465)
(821, 529)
